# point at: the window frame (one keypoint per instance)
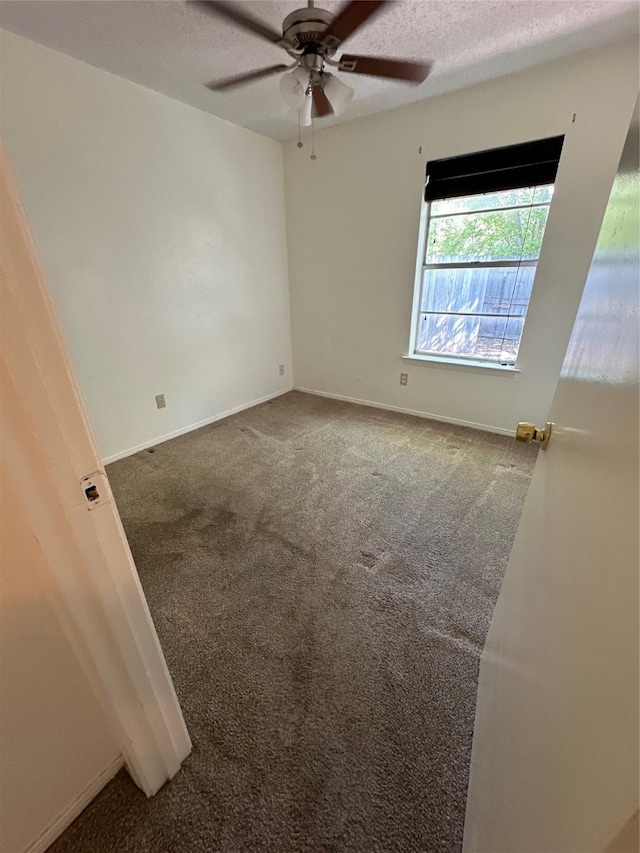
(418, 288)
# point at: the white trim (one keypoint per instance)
(427, 415)
(419, 272)
(66, 818)
(494, 209)
(183, 430)
(480, 265)
(465, 364)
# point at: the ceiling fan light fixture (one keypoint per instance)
(339, 94)
(311, 36)
(303, 112)
(293, 88)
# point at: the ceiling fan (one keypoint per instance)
(311, 37)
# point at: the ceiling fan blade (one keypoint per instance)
(241, 79)
(379, 66)
(352, 16)
(321, 104)
(243, 19)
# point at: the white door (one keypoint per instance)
(55, 472)
(555, 754)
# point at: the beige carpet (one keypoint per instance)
(321, 576)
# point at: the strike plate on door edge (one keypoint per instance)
(95, 489)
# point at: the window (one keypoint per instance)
(480, 238)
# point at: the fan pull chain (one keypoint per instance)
(313, 145)
(299, 143)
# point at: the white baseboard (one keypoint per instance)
(441, 418)
(154, 441)
(66, 818)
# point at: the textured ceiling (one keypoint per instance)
(173, 48)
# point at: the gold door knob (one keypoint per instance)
(528, 432)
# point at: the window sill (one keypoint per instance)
(465, 364)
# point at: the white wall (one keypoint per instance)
(54, 741)
(353, 218)
(162, 233)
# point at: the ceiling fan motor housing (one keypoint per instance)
(304, 28)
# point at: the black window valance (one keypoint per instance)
(525, 165)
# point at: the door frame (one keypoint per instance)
(97, 593)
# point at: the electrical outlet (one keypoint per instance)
(281, 370)
(404, 377)
(160, 401)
